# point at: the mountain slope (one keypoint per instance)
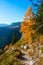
(6, 33)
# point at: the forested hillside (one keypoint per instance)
(7, 32)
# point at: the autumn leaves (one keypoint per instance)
(26, 25)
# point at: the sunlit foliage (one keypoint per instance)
(26, 25)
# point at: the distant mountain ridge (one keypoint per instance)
(12, 24)
(3, 25)
(15, 24)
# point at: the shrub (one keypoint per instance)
(17, 54)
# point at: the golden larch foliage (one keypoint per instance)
(26, 25)
(29, 12)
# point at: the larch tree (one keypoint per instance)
(27, 24)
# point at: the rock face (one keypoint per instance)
(25, 47)
(35, 59)
(26, 60)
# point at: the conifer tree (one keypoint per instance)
(26, 25)
(14, 38)
(39, 19)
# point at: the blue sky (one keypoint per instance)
(13, 10)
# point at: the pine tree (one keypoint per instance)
(39, 16)
(14, 38)
(39, 19)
